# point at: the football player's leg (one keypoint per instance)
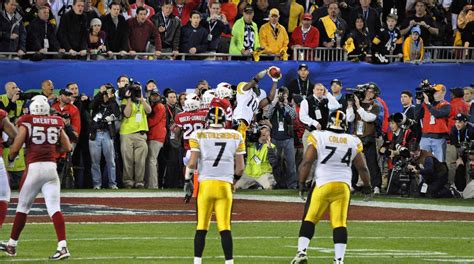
(51, 193)
(223, 209)
(189, 173)
(338, 212)
(205, 205)
(4, 192)
(242, 128)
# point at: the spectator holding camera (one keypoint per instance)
(12, 102)
(460, 137)
(261, 159)
(281, 115)
(217, 24)
(433, 112)
(105, 111)
(365, 127)
(422, 19)
(133, 138)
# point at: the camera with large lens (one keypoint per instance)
(466, 148)
(401, 178)
(135, 89)
(425, 88)
(26, 96)
(252, 135)
(402, 120)
(359, 91)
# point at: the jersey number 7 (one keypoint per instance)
(221, 151)
(345, 160)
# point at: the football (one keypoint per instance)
(274, 72)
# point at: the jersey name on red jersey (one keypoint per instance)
(190, 122)
(42, 136)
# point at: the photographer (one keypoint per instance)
(262, 158)
(365, 127)
(433, 174)
(12, 101)
(461, 135)
(133, 131)
(281, 115)
(314, 110)
(433, 111)
(105, 111)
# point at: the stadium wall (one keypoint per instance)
(179, 75)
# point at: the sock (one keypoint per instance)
(339, 251)
(230, 261)
(226, 241)
(12, 242)
(303, 243)
(62, 244)
(197, 260)
(340, 242)
(59, 225)
(3, 211)
(18, 225)
(199, 243)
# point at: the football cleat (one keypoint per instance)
(9, 250)
(62, 253)
(300, 258)
(338, 261)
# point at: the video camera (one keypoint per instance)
(135, 89)
(26, 96)
(359, 91)
(425, 88)
(403, 121)
(401, 177)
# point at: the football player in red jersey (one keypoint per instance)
(222, 100)
(189, 121)
(7, 127)
(44, 136)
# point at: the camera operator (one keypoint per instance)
(461, 135)
(281, 115)
(433, 174)
(433, 111)
(365, 127)
(105, 111)
(314, 110)
(133, 129)
(262, 161)
(12, 101)
(122, 82)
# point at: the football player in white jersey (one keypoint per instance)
(250, 98)
(215, 152)
(335, 153)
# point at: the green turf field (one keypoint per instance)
(274, 242)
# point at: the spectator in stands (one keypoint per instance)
(132, 12)
(97, 40)
(370, 16)
(458, 10)
(261, 9)
(305, 35)
(302, 85)
(42, 33)
(468, 94)
(433, 115)
(105, 111)
(33, 12)
(155, 138)
(194, 38)
(422, 19)
(217, 25)
(365, 127)
(314, 111)
(12, 31)
(319, 11)
(133, 134)
(245, 39)
(47, 89)
(358, 42)
(81, 155)
(261, 159)
(141, 30)
(12, 101)
(331, 28)
(387, 42)
(116, 30)
(90, 11)
(183, 9)
(413, 47)
(73, 30)
(169, 27)
(281, 115)
(60, 8)
(273, 37)
(460, 137)
(291, 15)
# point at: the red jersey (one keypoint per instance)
(224, 104)
(42, 136)
(190, 122)
(71, 110)
(3, 114)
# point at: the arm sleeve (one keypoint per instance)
(271, 109)
(333, 104)
(350, 116)
(440, 113)
(366, 116)
(304, 116)
(291, 111)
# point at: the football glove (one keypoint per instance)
(274, 79)
(302, 190)
(368, 193)
(188, 190)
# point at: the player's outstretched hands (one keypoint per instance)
(274, 73)
(368, 193)
(188, 190)
(302, 190)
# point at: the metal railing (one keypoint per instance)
(449, 54)
(319, 54)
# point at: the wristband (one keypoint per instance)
(237, 177)
(255, 79)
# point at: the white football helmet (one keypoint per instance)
(224, 90)
(39, 105)
(206, 98)
(191, 103)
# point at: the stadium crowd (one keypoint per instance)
(101, 28)
(134, 136)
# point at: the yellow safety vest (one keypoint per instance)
(136, 122)
(257, 161)
(19, 106)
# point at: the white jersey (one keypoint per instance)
(218, 148)
(336, 151)
(247, 104)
